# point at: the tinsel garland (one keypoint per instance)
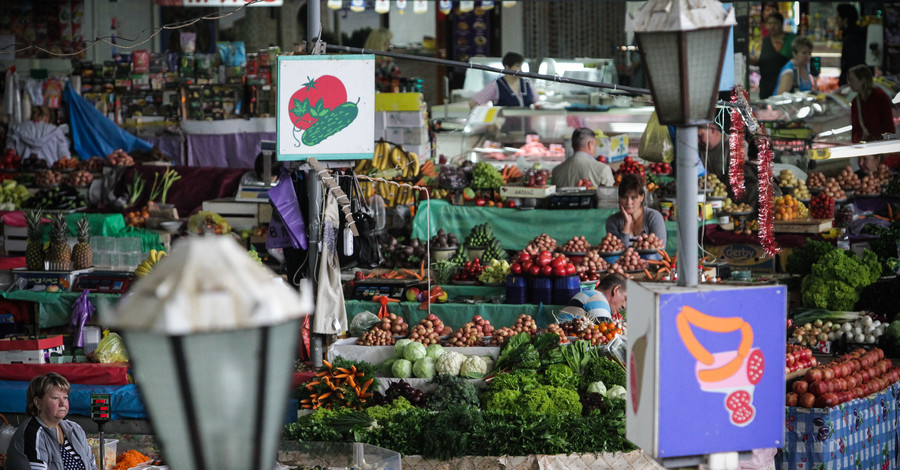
(766, 208)
(736, 163)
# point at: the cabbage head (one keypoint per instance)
(597, 387)
(402, 368)
(473, 368)
(616, 392)
(449, 363)
(434, 351)
(414, 351)
(400, 345)
(424, 368)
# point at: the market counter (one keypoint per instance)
(455, 315)
(55, 308)
(515, 228)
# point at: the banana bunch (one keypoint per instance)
(395, 195)
(386, 157)
(147, 265)
(439, 193)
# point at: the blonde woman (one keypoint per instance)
(795, 76)
(871, 111)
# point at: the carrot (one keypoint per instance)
(327, 364)
(422, 269)
(412, 273)
(351, 382)
(662, 271)
(325, 395)
(366, 385)
(647, 273)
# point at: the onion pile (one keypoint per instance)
(540, 243)
(93, 164)
(576, 245)
(375, 337)
(79, 178)
(631, 261)
(833, 189)
(394, 324)
(864, 330)
(47, 178)
(848, 179)
(472, 333)
(869, 185)
(648, 241)
(429, 330)
(119, 158)
(884, 174)
(816, 180)
(611, 244)
(591, 266)
(810, 334)
(555, 328)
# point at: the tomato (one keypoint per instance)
(524, 256)
(511, 204)
(570, 269)
(327, 90)
(559, 271)
(546, 270)
(526, 265)
(515, 268)
(558, 261)
(480, 202)
(534, 270)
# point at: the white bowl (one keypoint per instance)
(171, 226)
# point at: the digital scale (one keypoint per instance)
(257, 191)
(101, 413)
(104, 282)
(365, 289)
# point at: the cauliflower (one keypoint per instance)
(449, 363)
(473, 367)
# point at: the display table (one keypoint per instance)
(515, 228)
(861, 433)
(106, 225)
(125, 399)
(455, 315)
(197, 184)
(85, 373)
(55, 308)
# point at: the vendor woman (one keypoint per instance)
(871, 111)
(795, 75)
(633, 217)
(508, 90)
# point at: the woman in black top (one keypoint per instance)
(775, 52)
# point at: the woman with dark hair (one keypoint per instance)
(774, 53)
(871, 111)
(508, 90)
(853, 40)
(633, 217)
(47, 440)
(767, 9)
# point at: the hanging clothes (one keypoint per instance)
(331, 315)
(94, 134)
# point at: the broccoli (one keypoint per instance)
(837, 278)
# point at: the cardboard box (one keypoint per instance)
(47, 342)
(527, 191)
(742, 256)
(614, 148)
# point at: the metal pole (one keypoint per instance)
(686, 204)
(314, 187)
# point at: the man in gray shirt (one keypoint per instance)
(582, 164)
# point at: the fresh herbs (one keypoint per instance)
(576, 355)
(606, 370)
(451, 391)
(802, 258)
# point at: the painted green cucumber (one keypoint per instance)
(330, 124)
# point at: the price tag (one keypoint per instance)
(824, 347)
(532, 139)
(819, 154)
(483, 115)
(556, 148)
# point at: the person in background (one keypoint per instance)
(386, 70)
(795, 74)
(633, 217)
(868, 165)
(47, 440)
(871, 111)
(601, 304)
(39, 137)
(853, 40)
(508, 90)
(767, 9)
(583, 163)
(774, 53)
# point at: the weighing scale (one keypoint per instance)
(256, 191)
(365, 289)
(104, 282)
(100, 414)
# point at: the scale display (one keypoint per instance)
(104, 283)
(100, 407)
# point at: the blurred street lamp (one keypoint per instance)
(213, 336)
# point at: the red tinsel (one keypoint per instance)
(736, 164)
(766, 208)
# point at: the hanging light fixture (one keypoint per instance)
(420, 6)
(382, 6)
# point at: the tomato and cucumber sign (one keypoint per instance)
(706, 363)
(326, 107)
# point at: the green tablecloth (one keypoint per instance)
(55, 308)
(455, 315)
(515, 228)
(106, 225)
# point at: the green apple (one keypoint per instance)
(411, 294)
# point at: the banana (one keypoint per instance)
(362, 167)
(154, 256)
(397, 157)
(380, 157)
(414, 161)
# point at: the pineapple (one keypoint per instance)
(59, 254)
(81, 252)
(34, 251)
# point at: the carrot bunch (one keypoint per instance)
(666, 265)
(510, 173)
(345, 384)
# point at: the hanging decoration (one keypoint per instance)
(736, 147)
(420, 6)
(358, 6)
(466, 6)
(766, 210)
(487, 4)
(445, 6)
(382, 6)
(335, 4)
(401, 6)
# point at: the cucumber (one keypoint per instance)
(339, 118)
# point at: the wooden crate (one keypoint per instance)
(803, 225)
(15, 239)
(240, 214)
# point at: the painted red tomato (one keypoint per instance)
(318, 94)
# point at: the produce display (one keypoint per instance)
(630, 166)
(787, 179)
(631, 261)
(470, 271)
(536, 176)
(399, 255)
(821, 206)
(847, 179)
(815, 180)
(711, 183)
(495, 272)
(838, 277)
(119, 158)
(65, 163)
(648, 241)
(395, 324)
(595, 333)
(869, 186)
(660, 168)
(611, 244)
(78, 178)
(93, 164)
(833, 188)
(56, 198)
(137, 218)
(812, 333)
(485, 176)
(10, 160)
(884, 174)
(153, 258)
(338, 385)
(863, 330)
(542, 242)
(429, 330)
(592, 265)
(740, 208)
(400, 389)
(376, 337)
(797, 358)
(12, 194)
(442, 271)
(851, 376)
(444, 240)
(480, 235)
(577, 244)
(789, 208)
(524, 324)
(557, 330)
(472, 333)
(33, 163)
(47, 178)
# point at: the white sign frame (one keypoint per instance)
(356, 141)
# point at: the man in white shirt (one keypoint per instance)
(583, 164)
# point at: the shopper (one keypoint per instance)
(767, 9)
(795, 75)
(633, 218)
(386, 70)
(583, 163)
(713, 154)
(46, 440)
(508, 90)
(600, 304)
(853, 40)
(871, 111)
(39, 137)
(774, 53)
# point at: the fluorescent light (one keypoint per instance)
(803, 112)
(628, 127)
(839, 130)
(857, 150)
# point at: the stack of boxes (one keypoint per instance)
(402, 119)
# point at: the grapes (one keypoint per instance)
(485, 176)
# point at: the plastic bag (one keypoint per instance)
(363, 322)
(111, 349)
(656, 143)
